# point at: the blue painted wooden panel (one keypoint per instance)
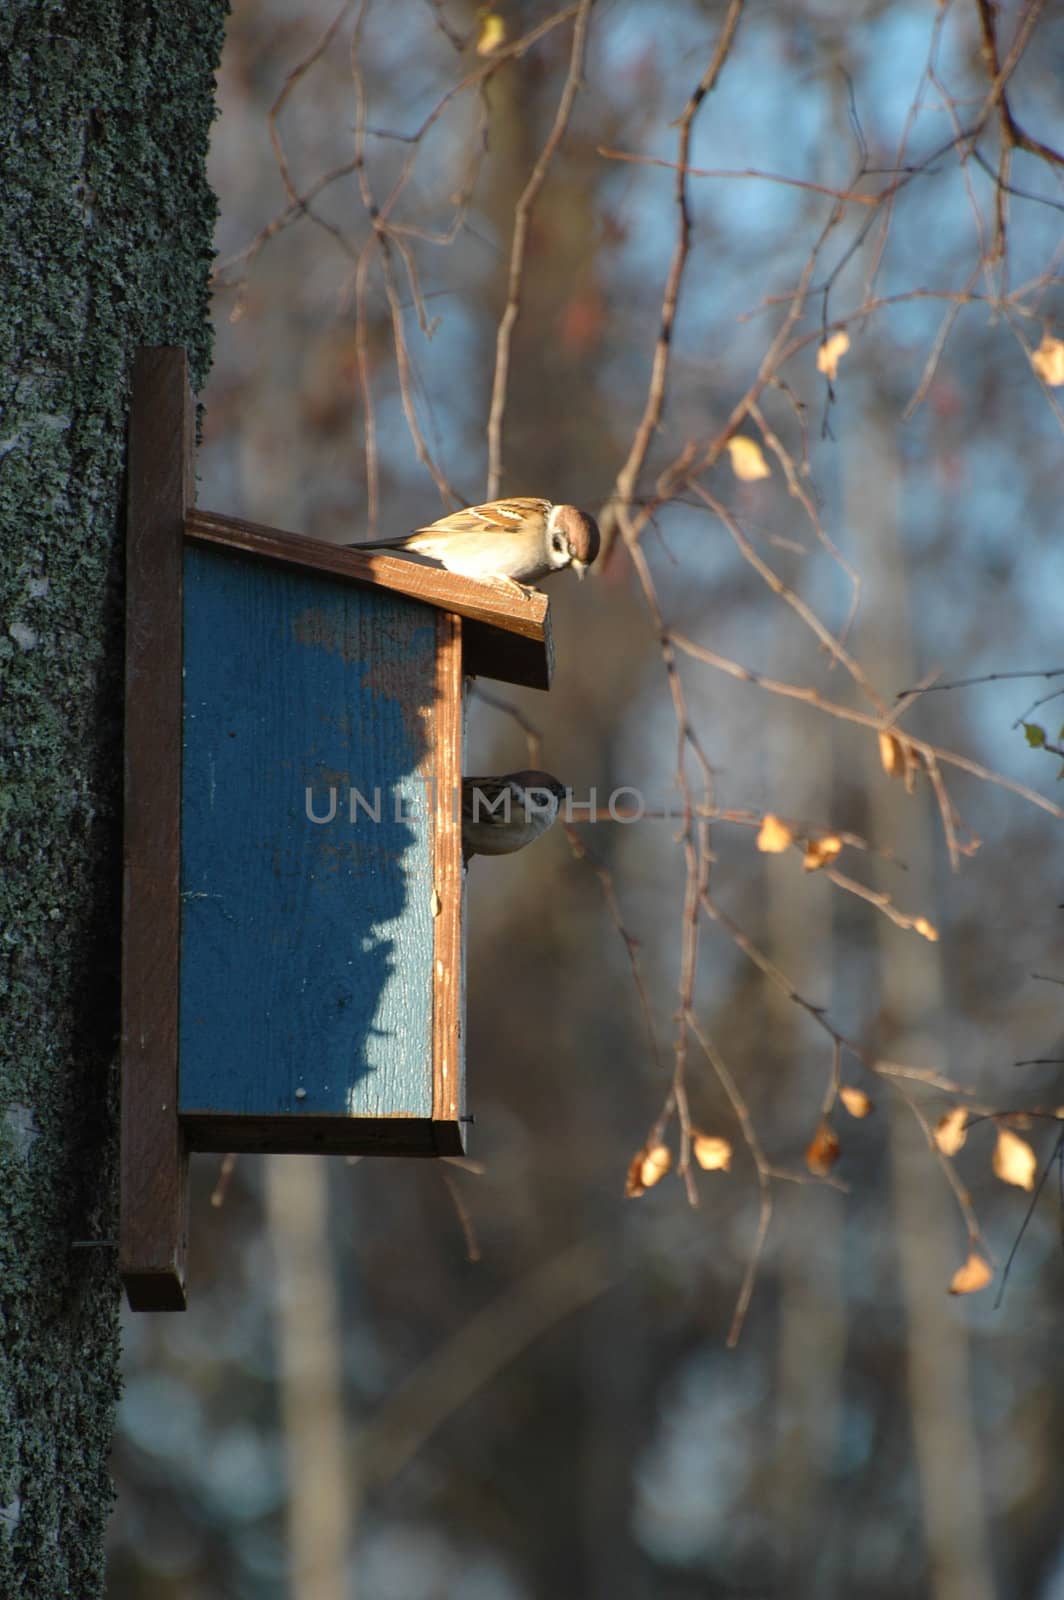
(306, 947)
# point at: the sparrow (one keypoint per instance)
(516, 541)
(505, 813)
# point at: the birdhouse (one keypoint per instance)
(293, 885)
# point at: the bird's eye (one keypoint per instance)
(558, 543)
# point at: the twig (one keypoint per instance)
(456, 40)
(273, 115)
(813, 697)
(380, 233)
(614, 515)
(982, 677)
(473, 80)
(369, 410)
(938, 347)
(790, 598)
(522, 217)
(225, 1177)
(465, 1221)
(533, 736)
(1028, 1214)
(848, 195)
(893, 1072)
(486, 1344)
(877, 898)
(631, 944)
(805, 500)
(764, 1177)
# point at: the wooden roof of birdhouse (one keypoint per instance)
(506, 635)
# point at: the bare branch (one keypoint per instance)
(812, 697)
(380, 237)
(615, 513)
(851, 196)
(981, 677)
(533, 736)
(788, 595)
(522, 217)
(805, 500)
(764, 1177)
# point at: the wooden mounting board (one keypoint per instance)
(153, 1227)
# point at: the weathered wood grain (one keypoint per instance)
(508, 637)
(448, 1022)
(308, 945)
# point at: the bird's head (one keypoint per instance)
(538, 790)
(572, 538)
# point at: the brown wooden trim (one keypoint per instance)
(511, 636)
(449, 1139)
(320, 1133)
(153, 1226)
(448, 1044)
(490, 653)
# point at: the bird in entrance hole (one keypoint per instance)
(503, 814)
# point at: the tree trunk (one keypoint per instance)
(105, 244)
(913, 1027)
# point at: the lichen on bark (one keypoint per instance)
(106, 223)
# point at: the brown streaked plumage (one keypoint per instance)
(505, 813)
(517, 541)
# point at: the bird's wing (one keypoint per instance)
(501, 515)
(489, 789)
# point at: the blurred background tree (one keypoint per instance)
(634, 236)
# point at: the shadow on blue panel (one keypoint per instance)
(307, 926)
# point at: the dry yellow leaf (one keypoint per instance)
(831, 352)
(646, 1168)
(819, 851)
(856, 1101)
(492, 33)
(1048, 361)
(891, 754)
(656, 1162)
(747, 460)
(974, 1275)
(926, 929)
(951, 1131)
(712, 1153)
(822, 1151)
(915, 762)
(1014, 1161)
(774, 836)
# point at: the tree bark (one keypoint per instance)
(105, 244)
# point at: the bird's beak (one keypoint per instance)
(581, 569)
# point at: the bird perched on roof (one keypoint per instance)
(516, 541)
(505, 813)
